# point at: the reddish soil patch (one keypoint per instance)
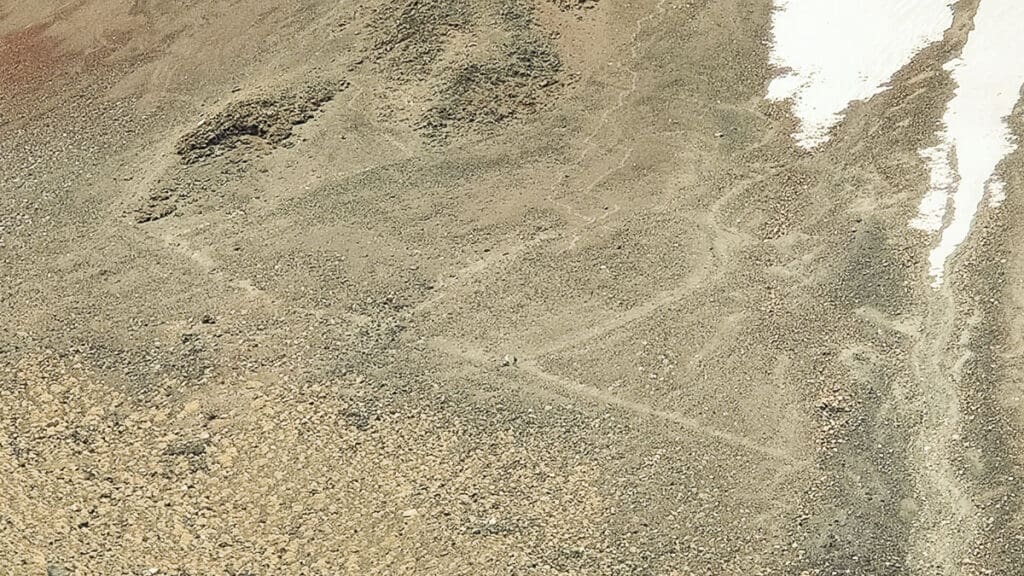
(29, 58)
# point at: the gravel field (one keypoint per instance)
(472, 287)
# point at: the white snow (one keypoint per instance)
(989, 74)
(835, 52)
(943, 177)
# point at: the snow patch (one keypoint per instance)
(933, 206)
(835, 52)
(975, 137)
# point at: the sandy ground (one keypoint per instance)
(484, 287)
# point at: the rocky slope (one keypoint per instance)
(482, 287)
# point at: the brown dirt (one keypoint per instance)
(30, 57)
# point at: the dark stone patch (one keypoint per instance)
(264, 120)
(570, 5)
(410, 35)
(58, 570)
(874, 271)
(191, 448)
(489, 92)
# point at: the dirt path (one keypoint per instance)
(947, 523)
